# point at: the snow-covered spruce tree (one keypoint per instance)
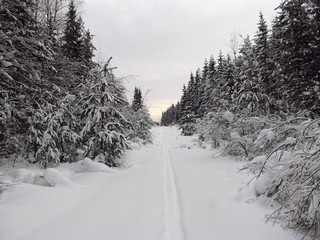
(138, 115)
(137, 101)
(203, 87)
(72, 36)
(295, 60)
(228, 87)
(141, 125)
(264, 66)
(210, 85)
(249, 98)
(217, 99)
(199, 87)
(53, 134)
(87, 50)
(104, 127)
(22, 60)
(187, 120)
(76, 48)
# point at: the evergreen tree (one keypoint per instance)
(23, 57)
(249, 99)
(103, 131)
(195, 92)
(87, 50)
(177, 112)
(314, 74)
(216, 100)
(202, 104)
(72, 37)
(228, 88)
(169, 116)
(294, 58)
(188, 118)
(137, 102)
(262, 57)
(53, 136)
(139, 116)
(210, 85)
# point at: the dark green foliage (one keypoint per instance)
(22, 57)
(72, 37)
(87, 49)
(188, 117)
(170, 116)
(137, 102)
(295, 60)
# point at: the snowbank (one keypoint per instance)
(228, 116)
(262, 184)
(91, 166)
(59, 176)
(54, 178)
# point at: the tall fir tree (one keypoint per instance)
(188, 118)
(104, 126)
(203, 97)
(137, 101)
(72, 36)
(249, 98)
(23, 58)
(294, 58)
(261, 50)
(87, 50)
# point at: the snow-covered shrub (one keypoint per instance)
(104, 127)
(259, 136)
(91, 166)
(215, 128)
(294, 171)
(5, 184)
(141, 125)
(238, 145)
(280, 135)
(55, 178)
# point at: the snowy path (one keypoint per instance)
(172, 211)
(174, 191)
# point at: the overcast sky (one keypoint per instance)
(159, 42)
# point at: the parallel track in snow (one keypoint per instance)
(172, 210)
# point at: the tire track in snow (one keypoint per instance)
(172, 211)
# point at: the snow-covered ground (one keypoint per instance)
(174, 190)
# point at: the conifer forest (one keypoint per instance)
(55, 99)
(260, 103)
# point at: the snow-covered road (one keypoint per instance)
(174, 191)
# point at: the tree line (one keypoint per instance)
(56, 102)
(262, 104)
(277, 72)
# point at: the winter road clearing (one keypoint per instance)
(174, 191)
